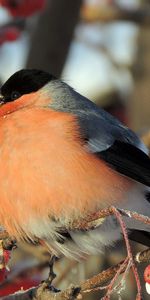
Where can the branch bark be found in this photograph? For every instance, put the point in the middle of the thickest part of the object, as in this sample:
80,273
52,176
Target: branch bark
43,293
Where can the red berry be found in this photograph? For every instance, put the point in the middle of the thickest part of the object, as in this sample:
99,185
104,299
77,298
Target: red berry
3,265
23,8
147,274
3,274
147,286
12,34
6,255
9,34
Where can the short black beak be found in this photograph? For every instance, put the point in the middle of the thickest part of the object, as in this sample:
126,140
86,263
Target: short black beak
1,100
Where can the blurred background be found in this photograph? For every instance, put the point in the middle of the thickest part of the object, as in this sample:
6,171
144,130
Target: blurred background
102,49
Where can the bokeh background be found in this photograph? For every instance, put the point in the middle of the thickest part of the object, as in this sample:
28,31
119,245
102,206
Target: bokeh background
102,49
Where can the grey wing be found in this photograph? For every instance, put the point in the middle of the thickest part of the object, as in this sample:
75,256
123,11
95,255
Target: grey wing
102,130
104,135
100,127
116,144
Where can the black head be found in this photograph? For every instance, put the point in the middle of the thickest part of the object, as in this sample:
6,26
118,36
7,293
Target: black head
24,82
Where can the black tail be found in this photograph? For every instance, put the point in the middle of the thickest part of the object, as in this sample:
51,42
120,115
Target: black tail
140,236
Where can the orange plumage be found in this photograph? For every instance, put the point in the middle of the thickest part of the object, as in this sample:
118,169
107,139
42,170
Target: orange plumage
49,174
46,172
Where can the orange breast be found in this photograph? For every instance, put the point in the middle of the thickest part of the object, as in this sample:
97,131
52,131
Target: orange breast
46,171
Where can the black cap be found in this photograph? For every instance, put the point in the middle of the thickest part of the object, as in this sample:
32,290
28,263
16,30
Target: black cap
24,82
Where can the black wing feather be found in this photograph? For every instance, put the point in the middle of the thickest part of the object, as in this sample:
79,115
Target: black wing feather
140,236
104,135
128,160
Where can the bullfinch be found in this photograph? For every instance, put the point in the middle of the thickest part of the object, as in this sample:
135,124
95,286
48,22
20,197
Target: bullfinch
62,159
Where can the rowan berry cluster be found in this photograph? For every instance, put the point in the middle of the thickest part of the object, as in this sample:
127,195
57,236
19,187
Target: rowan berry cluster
18,9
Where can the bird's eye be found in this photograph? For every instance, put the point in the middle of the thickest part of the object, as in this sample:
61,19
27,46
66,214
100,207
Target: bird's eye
15,95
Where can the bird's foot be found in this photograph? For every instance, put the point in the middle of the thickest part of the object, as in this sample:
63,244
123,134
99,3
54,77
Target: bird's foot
51,275
9,244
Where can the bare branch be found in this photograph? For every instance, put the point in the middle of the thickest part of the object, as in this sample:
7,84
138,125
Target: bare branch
106,275
93,220
43,293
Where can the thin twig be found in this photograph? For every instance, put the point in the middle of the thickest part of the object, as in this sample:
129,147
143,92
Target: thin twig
119,271
106,275
39,293
91,220
129,251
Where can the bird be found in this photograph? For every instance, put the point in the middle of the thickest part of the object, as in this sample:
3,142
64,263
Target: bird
62,159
